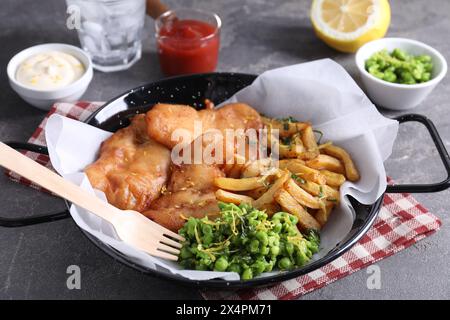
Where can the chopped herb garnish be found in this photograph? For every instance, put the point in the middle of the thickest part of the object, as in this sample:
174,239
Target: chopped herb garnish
288,119
286,126
321,195
297,178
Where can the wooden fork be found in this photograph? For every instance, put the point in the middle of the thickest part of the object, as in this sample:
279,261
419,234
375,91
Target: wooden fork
131,226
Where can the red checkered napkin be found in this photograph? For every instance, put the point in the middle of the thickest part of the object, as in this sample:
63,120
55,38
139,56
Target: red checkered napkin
401,222
80,110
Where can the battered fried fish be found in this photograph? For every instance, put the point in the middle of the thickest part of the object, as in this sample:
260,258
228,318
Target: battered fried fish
190,192
191,189
164,119
132,168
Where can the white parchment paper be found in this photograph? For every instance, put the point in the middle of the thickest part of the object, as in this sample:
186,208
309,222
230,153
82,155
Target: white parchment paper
320,92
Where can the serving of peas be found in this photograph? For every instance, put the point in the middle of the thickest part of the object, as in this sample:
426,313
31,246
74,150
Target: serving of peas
245,240
400,67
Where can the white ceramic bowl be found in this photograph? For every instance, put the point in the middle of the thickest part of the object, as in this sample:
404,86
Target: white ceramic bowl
44,99
399,96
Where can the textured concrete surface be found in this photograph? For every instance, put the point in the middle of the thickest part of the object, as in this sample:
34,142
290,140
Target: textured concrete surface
257,35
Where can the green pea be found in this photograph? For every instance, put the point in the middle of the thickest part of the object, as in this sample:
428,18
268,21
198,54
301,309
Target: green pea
264,251
417,72
426,76
185,253
258,267
292,231
399,54
253,222
254,246
247,274
285,264
301,258
262,237
293,219
289,248
191,224
201,267
207,239
407,77
269,266
389,76
277,228
234,268
378,74
275,250
221,264
279,216
399,66
424,58
428,67
370,62
274,241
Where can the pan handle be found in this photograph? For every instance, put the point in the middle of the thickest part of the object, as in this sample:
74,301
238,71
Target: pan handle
42,218
431,187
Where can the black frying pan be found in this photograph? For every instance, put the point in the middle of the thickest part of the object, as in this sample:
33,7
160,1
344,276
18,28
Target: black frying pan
218,87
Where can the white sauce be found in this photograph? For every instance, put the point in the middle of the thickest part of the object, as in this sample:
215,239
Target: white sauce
49,70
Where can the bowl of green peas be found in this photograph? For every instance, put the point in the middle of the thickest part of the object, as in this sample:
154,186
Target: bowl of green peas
399,73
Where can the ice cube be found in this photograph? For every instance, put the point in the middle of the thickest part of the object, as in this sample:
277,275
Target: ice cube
92,28
97,33
116,39
88,44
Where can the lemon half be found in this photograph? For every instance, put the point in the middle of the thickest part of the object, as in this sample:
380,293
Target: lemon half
346,25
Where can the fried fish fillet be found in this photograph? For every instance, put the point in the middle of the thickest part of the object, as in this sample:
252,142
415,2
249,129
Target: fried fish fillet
191,190
190,193
164,119
132,168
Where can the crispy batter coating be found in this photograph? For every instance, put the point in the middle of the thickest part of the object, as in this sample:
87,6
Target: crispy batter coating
191,189
131,168
164,119
190,192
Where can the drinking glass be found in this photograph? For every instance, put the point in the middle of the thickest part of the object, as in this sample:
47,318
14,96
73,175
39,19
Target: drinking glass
110,31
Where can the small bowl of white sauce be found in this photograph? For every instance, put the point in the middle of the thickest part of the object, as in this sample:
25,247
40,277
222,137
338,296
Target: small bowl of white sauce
47,73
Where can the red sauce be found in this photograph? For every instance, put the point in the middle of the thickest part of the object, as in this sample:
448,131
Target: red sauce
188,46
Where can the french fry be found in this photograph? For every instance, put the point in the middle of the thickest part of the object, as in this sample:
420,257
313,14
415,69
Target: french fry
333,179
351,172
256,193
308,138
268,196
326,162
298,167
285,128
323,213
229,197
320,190
302,197
290,151
257,168
243,184
288,203
235,171
271,208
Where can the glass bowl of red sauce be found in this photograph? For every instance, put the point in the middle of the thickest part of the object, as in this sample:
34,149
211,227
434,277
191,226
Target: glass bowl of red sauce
188,41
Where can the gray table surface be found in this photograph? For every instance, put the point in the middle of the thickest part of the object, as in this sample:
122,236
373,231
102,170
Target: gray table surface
257,35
